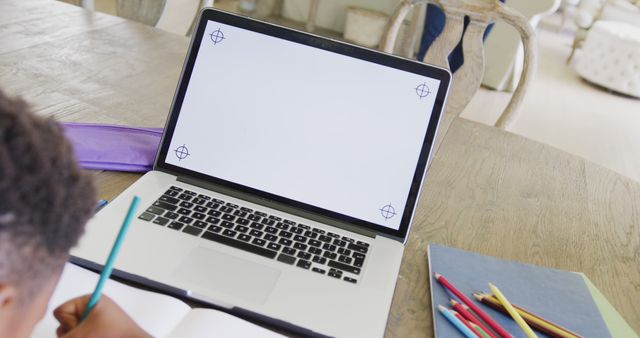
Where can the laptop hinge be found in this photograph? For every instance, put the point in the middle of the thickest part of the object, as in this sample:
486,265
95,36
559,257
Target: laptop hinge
278,206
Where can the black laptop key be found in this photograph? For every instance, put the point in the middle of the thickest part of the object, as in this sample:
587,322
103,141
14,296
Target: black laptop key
363,244
275,218
200,224
231,205
173,187
171,215
175,225
146,216
314,250
243,221
304,226
239,245
320,231
329,255
213,220
169,199
212,205
315,243
183,211
185,219
350,280
254,217
257,226
358,255
319,260
217,201
286,221
256,233
271,230
244,237
285,242
286,259
296,230
300,239
227,224
192,230
334,235
270,237
304,255
345,259
204,197
311,234
344,267
171,193
200,208
215,228
334,274
258,241
247,210
155,210
324,238
185,197
190,193
268,221
288,251
285,234
198,201
165,205
230,233
274,246
358,263
303,264
339,243
350,240
318,270
228,217
299,246
161,221
282,226
186,204
214,213
357,248
240,213
241,229
260,213
199,216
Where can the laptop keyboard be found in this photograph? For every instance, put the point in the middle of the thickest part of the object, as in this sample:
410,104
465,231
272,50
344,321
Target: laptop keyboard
270,236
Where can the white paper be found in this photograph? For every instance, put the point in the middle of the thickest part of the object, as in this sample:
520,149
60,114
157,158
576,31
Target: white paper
204,323
155,313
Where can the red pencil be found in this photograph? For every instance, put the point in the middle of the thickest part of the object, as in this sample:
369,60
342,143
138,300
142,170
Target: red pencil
502,332
458,307
466,323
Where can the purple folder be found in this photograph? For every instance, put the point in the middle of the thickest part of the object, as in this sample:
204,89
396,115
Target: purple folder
112,147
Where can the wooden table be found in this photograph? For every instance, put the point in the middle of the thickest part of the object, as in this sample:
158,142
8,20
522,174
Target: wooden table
485,186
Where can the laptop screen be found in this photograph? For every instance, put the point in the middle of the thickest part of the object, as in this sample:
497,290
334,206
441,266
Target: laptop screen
335,132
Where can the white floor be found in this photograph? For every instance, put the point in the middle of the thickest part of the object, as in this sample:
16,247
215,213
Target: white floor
566,112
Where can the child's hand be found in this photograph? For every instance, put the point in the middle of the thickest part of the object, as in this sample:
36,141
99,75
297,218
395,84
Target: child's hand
106,319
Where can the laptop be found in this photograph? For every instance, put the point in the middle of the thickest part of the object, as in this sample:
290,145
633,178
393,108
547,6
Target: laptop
286,180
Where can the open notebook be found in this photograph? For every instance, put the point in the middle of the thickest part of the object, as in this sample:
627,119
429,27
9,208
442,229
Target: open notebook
159,315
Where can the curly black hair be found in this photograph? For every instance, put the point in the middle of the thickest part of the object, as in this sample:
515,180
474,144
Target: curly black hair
45,198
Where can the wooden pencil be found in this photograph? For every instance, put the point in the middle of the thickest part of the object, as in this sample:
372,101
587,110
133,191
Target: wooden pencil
549,328
465,312
466,323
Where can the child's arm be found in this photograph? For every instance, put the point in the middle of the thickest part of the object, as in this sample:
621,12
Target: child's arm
106,319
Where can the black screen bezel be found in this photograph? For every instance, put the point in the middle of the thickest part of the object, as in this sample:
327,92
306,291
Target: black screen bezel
329,45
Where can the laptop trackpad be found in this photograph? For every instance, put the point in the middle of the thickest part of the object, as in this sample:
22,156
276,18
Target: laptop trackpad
229,275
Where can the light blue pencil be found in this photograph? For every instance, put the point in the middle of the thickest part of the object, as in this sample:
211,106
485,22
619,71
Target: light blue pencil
456,322
108,266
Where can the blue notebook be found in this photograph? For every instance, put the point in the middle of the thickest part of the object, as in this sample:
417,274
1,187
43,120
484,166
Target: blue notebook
559,296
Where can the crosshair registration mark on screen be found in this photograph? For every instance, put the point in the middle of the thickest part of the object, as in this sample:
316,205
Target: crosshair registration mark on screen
181,152
216,36
422,90
387,211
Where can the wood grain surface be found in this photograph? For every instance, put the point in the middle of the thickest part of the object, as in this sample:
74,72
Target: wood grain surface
487,190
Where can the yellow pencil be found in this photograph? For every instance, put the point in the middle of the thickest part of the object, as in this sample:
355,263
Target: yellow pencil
514,314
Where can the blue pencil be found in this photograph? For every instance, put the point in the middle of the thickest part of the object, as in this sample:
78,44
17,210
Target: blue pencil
456,322
108,266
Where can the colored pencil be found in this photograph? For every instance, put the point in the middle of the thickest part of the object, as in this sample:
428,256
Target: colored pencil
538,323
512,312
466,323
470,317
487,319
456,322
483,333
108,266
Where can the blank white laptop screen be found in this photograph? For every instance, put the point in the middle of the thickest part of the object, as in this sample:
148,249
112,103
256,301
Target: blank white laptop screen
321,128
